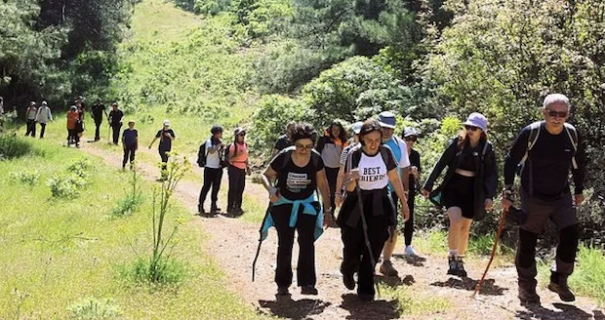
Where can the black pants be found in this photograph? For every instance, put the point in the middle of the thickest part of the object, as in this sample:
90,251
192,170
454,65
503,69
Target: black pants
212,178
116,133
42,130
305,272
129,152
408,228
164,156
237,183
356,257
31,128
98,131
332,175
72,137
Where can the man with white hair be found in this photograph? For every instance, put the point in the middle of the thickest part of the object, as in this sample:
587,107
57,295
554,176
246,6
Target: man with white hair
546,151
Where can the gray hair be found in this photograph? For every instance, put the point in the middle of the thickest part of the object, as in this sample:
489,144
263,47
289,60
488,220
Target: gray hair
556,98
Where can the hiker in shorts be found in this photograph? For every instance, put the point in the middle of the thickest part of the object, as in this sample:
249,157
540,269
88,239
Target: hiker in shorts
410,136
166,135
212,154
367,216
330,146
339,195
43,117
130,144
284,140
116,117
237,159
30,116
547,151
96,112
387,122
72,120
468,188
292,178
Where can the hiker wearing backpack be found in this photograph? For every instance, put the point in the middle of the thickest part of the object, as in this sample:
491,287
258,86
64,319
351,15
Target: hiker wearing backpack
367,215
387,122
410,136
30,115
546,151
236,155
292,178
284,141
210,157
330,146
468,188
339,196
43,117
166,135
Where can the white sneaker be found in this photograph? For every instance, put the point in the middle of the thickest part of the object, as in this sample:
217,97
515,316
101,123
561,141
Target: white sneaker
411,253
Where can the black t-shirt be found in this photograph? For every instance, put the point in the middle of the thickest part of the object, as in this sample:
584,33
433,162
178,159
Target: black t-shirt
165,142
296,183
116,117
97,111
130,137
282,143
469,158
414,162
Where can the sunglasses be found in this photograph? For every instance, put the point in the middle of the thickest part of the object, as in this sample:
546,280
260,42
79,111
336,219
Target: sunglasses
471,128
559,114
411,138
304,147
243,134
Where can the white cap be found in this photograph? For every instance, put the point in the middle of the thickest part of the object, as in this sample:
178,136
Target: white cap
166,123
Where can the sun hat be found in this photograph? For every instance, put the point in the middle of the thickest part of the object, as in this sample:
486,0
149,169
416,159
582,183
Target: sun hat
478,120
387,119
409,131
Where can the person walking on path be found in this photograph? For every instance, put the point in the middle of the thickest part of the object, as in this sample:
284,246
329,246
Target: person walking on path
237,169
30,116
116,117
72,120
212,152
43,116
284,140
547,151
410,136
367,214
292,178
330,146
96,112
81,106
468,188
130,144
399,149
166,135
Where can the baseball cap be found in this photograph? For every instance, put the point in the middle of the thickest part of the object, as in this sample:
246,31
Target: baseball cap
357,127
167,123
478,120
387,119
409,131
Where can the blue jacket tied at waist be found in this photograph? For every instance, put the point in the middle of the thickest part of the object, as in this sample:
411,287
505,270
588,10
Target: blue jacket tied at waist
306,206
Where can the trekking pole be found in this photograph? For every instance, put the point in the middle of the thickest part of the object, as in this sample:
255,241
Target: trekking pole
498,233
260,240
365,231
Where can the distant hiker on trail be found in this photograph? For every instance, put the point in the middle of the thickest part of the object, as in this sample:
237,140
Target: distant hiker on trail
96,112
284,141
30,116
210,157
80,127
366,218
339,196
237,169
297,172
330,146
166,135
116,117
130,144
410,136
43,117
72,120
387,121
468,188
546,151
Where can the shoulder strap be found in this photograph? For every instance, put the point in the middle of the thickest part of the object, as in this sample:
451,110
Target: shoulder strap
287,158
384,153
534,133
573,137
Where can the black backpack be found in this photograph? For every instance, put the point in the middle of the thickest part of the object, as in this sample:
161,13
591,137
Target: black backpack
201,155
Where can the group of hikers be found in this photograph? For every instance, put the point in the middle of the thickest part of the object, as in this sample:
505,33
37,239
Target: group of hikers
375,177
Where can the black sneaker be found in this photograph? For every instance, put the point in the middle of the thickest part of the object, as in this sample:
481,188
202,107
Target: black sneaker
348,280
309,290
214,209
453,266
528,295
562,289
461,271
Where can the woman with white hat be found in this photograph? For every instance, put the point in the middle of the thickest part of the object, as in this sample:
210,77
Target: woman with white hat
468,188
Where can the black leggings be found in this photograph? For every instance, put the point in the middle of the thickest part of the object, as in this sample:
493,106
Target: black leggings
408,229
331,176
129,152
212,178
237,184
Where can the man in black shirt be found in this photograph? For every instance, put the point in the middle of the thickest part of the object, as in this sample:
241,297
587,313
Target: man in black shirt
284,141
98,109
115,117
546,151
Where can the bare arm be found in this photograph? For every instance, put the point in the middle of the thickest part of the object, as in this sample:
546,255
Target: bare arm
152,142
268,177
324,189
339,183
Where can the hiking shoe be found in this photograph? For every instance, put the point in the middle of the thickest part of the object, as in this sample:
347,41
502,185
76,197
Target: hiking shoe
410,252
309,290
453,266
283,291
528,295
562,290
214,209
461,271
348,280
387,269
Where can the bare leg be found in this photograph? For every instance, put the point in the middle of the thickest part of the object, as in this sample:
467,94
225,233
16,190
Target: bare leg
465,230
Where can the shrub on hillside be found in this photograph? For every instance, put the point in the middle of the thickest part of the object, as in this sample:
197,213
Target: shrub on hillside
27,177
94,309
12,146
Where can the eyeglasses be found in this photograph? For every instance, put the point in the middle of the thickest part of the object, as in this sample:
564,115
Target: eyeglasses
243,134
559,114
411,138
304,147
471,128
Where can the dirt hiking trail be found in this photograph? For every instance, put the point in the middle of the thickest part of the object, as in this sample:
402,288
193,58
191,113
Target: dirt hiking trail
233,243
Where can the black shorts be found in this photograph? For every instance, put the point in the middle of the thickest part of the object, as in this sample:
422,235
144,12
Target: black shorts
459,192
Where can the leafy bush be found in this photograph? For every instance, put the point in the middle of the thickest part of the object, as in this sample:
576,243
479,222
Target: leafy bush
94,309
12,146
132,200
166,271
66,186
80,167
30,178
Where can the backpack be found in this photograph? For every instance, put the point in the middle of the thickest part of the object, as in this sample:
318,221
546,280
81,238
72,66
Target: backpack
384,150
201,155
534,134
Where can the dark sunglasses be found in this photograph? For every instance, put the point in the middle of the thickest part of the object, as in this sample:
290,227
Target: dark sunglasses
471,128
411,138
243,134
560,114
305,147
